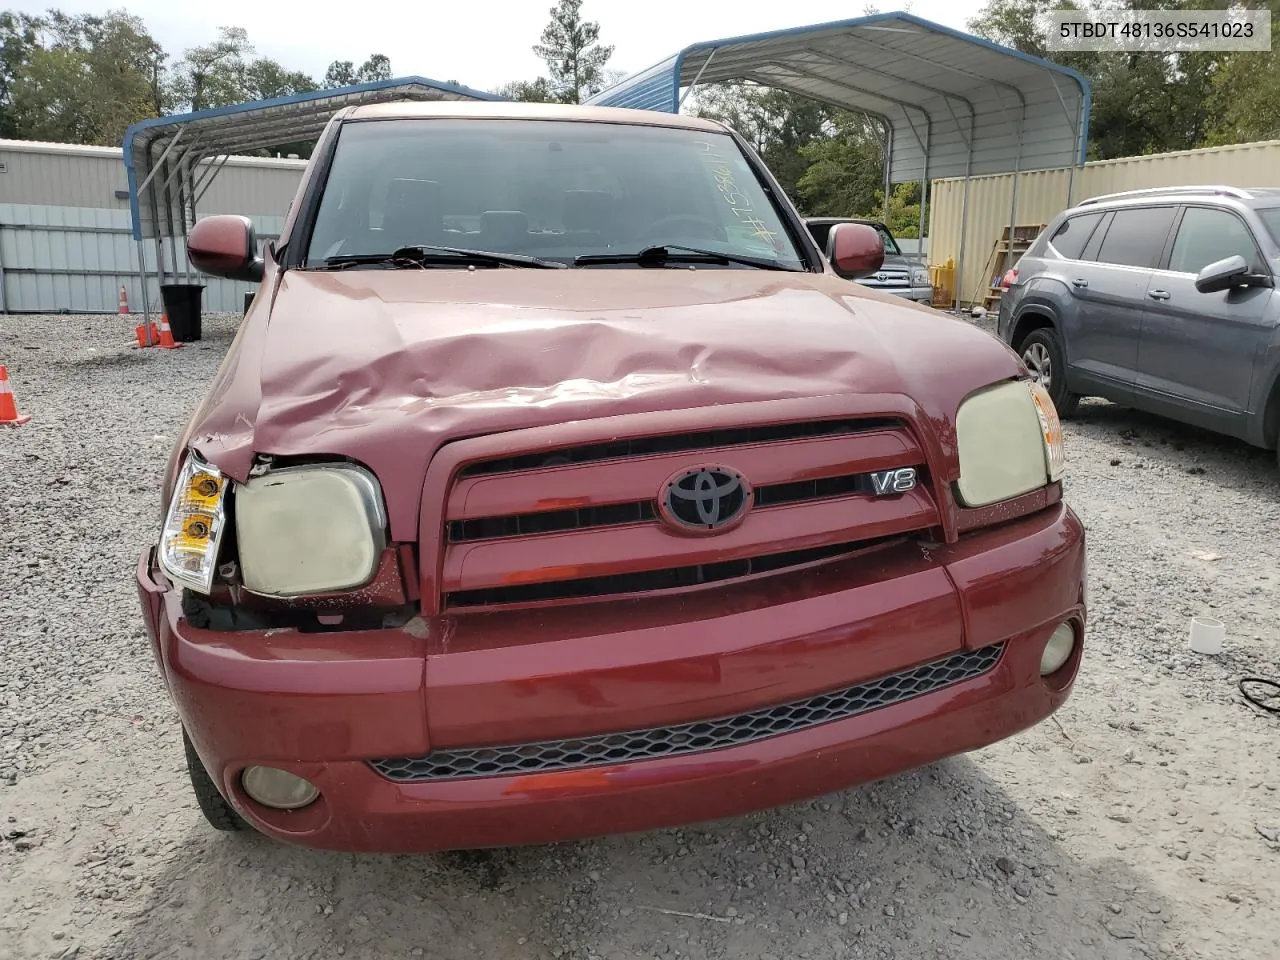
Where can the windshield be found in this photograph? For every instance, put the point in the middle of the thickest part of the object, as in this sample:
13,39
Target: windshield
556,190
1271,218
890,245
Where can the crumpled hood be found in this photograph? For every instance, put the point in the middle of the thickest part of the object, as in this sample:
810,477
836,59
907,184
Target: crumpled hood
384,366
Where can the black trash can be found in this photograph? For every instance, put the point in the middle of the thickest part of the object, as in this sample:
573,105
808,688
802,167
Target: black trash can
248,300
182,303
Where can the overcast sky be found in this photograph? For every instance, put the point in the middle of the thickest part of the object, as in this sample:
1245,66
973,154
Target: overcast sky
479,43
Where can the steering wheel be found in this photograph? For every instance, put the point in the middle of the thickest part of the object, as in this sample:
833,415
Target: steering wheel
703,227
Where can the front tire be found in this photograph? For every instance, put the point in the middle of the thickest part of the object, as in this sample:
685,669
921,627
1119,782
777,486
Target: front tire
220,814
1042,352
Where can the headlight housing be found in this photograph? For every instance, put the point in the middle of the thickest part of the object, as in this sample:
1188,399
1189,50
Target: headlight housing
1010,443
193,525
920,276
308,530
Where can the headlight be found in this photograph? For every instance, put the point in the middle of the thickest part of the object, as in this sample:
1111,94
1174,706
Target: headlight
193,525
309,529
1010,443
920,276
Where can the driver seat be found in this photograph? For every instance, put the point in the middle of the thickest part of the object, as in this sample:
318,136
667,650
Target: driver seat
414,214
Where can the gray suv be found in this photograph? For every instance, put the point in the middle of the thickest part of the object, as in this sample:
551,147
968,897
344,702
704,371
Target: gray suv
1162,300
901,275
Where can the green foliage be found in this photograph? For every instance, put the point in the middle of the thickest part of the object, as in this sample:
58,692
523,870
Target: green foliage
575,57
344,73
1245,99
77,78
1143,103
536,91
845,175
779,125
84,78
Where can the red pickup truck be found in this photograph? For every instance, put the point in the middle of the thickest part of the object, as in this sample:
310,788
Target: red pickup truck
555,485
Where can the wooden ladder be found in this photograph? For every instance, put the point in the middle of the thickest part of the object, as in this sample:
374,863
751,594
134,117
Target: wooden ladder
1005,254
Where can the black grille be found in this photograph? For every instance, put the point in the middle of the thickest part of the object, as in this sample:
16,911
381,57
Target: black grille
648,580
692,737
676,443
617,514
551,521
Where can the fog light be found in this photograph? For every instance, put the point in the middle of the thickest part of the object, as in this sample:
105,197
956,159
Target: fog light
1058,650
278,788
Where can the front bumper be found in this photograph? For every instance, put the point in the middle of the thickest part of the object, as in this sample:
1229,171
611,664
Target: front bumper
325,706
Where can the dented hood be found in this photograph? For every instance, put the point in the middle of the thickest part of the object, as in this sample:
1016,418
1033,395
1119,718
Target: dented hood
384,366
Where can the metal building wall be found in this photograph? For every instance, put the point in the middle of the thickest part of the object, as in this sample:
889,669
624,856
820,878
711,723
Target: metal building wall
75,259
66,175
1044,193
65,242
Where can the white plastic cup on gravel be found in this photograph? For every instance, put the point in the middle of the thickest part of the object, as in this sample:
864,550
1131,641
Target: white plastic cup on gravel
1207,635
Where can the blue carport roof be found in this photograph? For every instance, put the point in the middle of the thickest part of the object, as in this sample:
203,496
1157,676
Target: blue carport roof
954,105
164,153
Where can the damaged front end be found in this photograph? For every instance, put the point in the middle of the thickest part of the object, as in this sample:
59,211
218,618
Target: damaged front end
300,544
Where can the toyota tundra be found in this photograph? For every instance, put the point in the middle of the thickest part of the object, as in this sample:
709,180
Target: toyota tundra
555,485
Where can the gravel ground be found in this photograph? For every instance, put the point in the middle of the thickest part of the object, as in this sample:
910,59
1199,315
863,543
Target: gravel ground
1142,823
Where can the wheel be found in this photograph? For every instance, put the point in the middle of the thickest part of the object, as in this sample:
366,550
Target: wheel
1042,353
220,814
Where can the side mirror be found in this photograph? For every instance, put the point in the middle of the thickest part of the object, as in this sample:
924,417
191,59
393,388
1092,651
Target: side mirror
225,246
855,250
1223,275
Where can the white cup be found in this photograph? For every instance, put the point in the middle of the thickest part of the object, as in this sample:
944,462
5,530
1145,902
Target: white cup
1207,634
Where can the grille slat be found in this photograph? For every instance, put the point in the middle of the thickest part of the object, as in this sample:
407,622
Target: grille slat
676,443
647,581
555,525
693,737
617,514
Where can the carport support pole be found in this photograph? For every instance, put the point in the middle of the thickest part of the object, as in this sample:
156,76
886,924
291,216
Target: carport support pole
146,300
888,168
1013,200
964,233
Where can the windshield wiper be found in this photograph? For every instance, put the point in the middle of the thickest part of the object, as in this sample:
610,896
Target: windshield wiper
420,255
662,253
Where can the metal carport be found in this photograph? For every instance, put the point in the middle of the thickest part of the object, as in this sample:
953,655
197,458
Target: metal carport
171,161
949,104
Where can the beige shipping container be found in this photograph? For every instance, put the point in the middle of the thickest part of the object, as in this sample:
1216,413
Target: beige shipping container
1041,194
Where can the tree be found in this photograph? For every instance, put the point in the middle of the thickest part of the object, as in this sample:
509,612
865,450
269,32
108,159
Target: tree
1245,100
779,125
78,78
344,73
845,172
536,91
18,43
265,79
1142,102
215,75
575,57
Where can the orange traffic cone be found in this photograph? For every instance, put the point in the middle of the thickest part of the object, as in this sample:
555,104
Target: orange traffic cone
9,415
166,335
123,307
140,331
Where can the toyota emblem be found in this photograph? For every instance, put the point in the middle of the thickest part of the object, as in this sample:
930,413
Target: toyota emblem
882,277
705,499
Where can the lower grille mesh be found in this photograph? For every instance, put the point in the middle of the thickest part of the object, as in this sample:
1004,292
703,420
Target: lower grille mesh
696,737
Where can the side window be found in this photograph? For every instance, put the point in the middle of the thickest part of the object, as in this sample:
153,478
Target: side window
1095,242
1070,238
1206,236
820,232
1136,236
